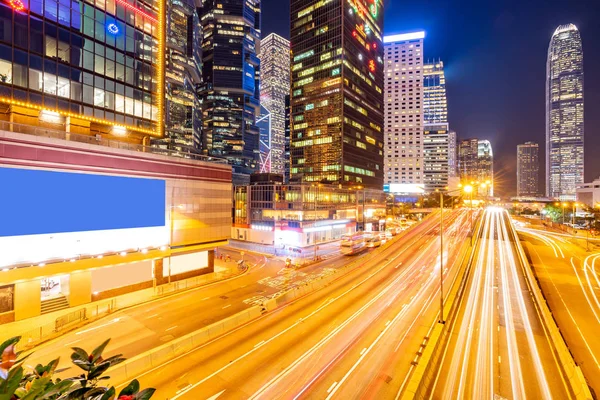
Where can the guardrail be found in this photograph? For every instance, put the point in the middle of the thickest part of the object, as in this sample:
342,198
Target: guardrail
101,141
570,368
148,361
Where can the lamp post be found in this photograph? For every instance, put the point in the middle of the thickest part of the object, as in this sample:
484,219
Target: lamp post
563,213
575,205
441,321
315,241
469,189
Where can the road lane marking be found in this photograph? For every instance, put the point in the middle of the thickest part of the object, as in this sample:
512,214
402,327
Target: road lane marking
259,344
363,350
114,321
228,305
171,328
331,387
206,298
216,396
320,308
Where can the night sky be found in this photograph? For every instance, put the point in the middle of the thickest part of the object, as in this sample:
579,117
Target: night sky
495,58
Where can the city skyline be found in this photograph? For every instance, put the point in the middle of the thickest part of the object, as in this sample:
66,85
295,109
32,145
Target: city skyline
472,64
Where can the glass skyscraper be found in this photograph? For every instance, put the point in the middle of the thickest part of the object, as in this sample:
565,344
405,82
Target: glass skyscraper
86,67
435,107
337,92
274,87
564,114
230,88
183,75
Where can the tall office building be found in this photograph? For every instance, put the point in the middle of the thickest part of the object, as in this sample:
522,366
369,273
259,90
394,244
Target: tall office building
485,167
564,114
452,156
230,88
435,157
337,91
527,170
404,109
183,76
84,68
274,87
468,161
435,107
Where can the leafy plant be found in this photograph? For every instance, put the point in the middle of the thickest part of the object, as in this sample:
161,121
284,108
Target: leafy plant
39,383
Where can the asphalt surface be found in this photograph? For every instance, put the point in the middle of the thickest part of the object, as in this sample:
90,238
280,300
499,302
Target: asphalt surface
140,328
355,338
498,348
568,276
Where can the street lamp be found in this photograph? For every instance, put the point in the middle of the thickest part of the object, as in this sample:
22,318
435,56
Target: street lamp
469,190
441,321
575,205
563,213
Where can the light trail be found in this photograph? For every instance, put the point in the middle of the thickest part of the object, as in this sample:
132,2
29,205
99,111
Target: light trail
475,354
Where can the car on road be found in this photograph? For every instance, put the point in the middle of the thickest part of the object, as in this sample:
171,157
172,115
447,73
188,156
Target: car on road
374,242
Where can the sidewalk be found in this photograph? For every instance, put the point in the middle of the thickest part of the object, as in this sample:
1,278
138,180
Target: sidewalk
36,330
301,256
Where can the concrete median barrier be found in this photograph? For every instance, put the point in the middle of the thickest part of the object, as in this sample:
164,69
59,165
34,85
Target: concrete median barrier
145,362
571,370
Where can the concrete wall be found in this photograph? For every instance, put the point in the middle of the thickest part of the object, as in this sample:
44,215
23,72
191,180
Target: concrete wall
104,279
28,299
80,287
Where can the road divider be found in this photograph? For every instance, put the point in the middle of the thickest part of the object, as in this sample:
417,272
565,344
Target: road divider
147,361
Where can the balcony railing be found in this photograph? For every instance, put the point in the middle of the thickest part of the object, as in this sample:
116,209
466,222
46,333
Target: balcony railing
101,141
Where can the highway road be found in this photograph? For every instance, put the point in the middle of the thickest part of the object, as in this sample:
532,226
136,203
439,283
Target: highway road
498,348
143,327
568,277
347,340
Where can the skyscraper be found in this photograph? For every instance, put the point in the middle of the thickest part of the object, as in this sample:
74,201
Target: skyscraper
85,69
435,107
230,88
527,170
337,91
468,160
183,76
403,108
435,157
564,114
485,167
452,159
274,87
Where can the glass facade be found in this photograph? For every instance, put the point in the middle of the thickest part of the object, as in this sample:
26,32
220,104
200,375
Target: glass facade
183,76
435,108
485,160
230,89
527,170
564,114
337,91
274,87
85,65
265,146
